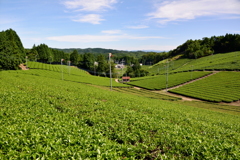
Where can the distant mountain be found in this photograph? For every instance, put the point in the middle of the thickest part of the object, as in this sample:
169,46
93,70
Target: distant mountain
118,53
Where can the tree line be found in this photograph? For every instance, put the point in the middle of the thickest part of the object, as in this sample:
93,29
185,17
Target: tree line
197,48
100,64
95,60
207,46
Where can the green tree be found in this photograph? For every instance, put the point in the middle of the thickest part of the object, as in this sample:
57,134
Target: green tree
88,61
12,53
102,66
74,58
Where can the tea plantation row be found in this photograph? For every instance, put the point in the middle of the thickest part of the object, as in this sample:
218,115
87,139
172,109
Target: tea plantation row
226,61
67,73
221,87
159,82
44,118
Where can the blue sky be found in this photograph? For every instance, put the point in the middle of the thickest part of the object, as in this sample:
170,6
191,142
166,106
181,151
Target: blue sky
118,24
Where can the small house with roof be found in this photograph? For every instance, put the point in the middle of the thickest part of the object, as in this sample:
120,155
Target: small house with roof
126,79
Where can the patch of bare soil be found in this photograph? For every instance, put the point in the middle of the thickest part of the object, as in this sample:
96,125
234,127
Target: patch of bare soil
176,95
137,88
23,67
237,103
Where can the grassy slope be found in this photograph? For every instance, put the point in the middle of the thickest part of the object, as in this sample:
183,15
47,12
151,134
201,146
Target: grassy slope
54,119
224,61
223,86
68,73
159,82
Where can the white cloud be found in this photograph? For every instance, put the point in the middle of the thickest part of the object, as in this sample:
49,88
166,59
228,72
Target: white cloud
99,38
111,31
89,5
89,18
138,27
190,9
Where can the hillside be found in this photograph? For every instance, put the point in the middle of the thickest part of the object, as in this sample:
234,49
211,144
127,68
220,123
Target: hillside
222,87
96,51
53,111
42,117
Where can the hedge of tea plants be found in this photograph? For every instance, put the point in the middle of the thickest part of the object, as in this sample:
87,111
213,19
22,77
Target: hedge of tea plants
220,87
45,118
159,82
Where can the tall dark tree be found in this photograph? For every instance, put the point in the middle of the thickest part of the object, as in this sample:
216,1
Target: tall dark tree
102,65
12,53
88,61
74,58
135,70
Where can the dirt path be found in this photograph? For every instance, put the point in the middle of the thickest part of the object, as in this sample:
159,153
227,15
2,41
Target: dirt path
176,95
185,98
237,103
23,67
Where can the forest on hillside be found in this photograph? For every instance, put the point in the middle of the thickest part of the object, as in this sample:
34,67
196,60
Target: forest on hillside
104,51
12,53
207,46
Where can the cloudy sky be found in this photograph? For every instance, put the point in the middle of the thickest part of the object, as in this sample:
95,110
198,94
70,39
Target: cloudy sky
118,24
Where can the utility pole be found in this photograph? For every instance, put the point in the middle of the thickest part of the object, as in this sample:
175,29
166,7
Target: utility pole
95,64
167,76
122,66
110,71
69,64
26,61
50,59
62,67
191,72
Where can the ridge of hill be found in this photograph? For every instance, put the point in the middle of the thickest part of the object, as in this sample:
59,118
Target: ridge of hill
222,61
96,51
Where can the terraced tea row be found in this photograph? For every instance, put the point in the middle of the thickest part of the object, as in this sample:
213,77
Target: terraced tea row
226,61
68,73
221,87
57,68
43,118
159,82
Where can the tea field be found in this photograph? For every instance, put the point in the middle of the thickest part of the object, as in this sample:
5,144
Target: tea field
221,62
220,87
226,61
46,118
67,73
159,82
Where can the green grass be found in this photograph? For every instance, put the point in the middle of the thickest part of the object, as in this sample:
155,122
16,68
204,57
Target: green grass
45,118
222,61
225,61
159,82
68,74
221,87
160,68
217,107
